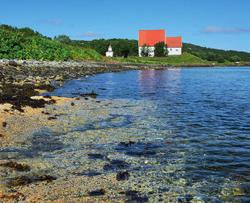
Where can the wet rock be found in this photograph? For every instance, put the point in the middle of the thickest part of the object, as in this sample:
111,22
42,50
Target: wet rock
91,94
52,118
20,96
89,173
135,197
116,164
45,141
96,156
188,197
12,197
47,97
126,144
138,148
97,192
26,180
16,166
46,113
122,176
13,63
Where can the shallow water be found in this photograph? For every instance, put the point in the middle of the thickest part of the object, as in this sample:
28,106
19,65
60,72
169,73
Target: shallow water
182,134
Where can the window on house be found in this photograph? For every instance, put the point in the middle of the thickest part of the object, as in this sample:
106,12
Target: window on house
170,49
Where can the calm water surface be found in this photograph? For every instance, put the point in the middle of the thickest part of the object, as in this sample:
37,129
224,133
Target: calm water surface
206,114
182,134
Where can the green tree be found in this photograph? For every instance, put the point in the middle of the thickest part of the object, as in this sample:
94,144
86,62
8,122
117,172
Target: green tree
63,38
144,51
160,49
235,59
220,59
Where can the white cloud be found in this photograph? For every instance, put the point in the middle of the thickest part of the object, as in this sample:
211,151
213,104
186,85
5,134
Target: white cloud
215,29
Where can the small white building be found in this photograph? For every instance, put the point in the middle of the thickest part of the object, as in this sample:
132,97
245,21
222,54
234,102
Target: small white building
110,52
148,39
174,46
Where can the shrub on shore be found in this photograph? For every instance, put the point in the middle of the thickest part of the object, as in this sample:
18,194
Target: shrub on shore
25,43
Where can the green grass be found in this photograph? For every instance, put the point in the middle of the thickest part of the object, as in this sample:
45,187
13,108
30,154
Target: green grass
184,59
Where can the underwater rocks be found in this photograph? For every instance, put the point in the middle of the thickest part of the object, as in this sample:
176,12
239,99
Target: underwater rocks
97,192
122,176
26,180
96,156
91,95
139,148
135,196
15,166
115,165
4,124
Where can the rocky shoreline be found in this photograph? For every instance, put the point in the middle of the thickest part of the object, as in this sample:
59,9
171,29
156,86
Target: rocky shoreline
22,79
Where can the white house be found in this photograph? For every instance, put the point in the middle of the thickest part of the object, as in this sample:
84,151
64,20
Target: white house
148,39
110,52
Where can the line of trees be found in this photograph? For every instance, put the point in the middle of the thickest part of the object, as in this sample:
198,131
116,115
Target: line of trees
216,54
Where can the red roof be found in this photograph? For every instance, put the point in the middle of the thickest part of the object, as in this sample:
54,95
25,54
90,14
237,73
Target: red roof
174,42
151,37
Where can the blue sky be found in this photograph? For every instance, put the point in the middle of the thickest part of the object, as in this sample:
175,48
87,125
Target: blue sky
213,23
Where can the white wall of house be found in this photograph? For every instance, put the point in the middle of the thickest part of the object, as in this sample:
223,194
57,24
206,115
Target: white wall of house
174,51
171,51
109,54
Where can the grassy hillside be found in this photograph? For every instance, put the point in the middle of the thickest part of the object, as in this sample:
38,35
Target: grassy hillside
121,46
216,54
185,59
25,43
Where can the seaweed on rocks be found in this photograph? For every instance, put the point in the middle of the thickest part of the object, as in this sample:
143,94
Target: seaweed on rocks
124,175
88,173
52,118
26,180
115,165
96,156
20,96
139,148
135,196
91,95
15,166
4,124
98,192
11,197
